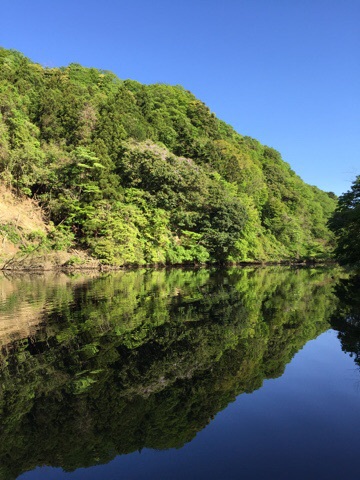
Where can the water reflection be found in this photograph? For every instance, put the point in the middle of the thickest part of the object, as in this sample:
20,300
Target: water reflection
347,317
93,367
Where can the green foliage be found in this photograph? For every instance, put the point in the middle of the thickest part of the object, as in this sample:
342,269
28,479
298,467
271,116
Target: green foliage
125,169
10,232
26,242
74,261
345,223
61,237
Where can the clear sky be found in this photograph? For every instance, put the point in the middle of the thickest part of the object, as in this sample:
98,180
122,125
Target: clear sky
286,72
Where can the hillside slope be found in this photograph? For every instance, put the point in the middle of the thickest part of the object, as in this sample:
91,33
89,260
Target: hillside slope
139,174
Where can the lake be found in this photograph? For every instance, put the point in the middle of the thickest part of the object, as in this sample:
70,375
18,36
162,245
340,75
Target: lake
248,373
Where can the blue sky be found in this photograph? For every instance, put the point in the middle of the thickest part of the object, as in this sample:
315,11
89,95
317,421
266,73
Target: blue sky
286,72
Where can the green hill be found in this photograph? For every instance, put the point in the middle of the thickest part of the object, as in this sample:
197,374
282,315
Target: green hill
144,174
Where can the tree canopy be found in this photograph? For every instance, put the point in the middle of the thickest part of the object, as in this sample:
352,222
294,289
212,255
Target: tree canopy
345,223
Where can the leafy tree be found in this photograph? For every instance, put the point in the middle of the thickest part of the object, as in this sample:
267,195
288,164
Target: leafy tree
345,223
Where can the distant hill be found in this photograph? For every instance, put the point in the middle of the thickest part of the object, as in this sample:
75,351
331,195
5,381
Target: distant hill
146,174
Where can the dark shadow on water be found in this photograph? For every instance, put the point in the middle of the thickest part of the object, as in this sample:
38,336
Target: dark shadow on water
346,320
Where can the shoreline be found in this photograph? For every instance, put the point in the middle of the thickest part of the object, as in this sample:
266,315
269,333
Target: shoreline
28,266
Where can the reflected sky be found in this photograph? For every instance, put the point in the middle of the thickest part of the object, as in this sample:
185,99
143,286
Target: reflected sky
302,425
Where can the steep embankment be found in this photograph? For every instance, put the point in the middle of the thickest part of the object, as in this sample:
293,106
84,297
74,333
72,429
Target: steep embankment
21,224
25,237
139,174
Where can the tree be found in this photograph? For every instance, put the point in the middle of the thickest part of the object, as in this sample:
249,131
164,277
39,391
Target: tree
345,223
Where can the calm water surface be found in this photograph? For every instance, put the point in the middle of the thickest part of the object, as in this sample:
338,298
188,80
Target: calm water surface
180,374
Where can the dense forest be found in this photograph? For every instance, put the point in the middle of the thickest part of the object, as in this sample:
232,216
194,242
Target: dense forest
117,362
345,223
146,174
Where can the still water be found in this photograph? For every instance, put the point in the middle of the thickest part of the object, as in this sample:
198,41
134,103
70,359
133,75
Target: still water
248,373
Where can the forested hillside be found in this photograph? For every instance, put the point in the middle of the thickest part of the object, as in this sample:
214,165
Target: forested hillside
144,174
